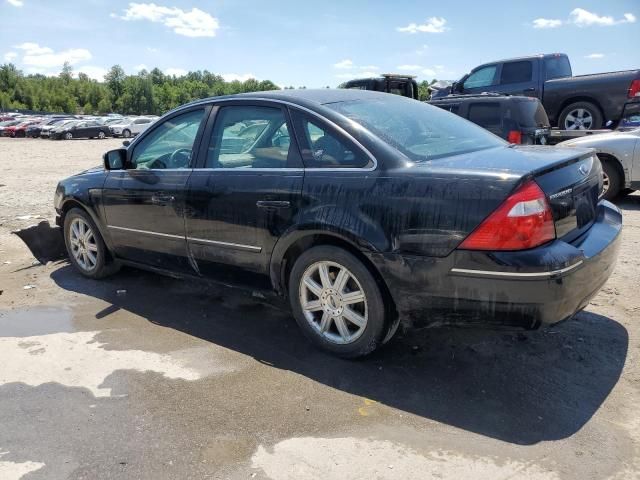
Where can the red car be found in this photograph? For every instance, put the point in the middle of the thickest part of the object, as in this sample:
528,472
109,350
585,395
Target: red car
18,131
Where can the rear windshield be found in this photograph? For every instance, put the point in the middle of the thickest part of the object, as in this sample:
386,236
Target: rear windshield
532,114
557,67
420,131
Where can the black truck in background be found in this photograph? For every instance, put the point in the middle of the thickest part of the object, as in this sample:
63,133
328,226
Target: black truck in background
583,102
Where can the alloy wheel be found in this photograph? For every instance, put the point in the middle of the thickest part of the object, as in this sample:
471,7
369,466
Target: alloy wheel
83,244
333,302
578,119
68,136
101,135
606,183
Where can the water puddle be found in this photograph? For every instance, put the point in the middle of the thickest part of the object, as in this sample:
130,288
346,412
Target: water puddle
29,322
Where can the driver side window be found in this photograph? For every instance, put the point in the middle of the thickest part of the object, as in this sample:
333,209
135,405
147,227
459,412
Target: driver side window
169,144
481,78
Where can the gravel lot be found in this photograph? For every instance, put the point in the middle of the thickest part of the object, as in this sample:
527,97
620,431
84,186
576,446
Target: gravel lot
175,379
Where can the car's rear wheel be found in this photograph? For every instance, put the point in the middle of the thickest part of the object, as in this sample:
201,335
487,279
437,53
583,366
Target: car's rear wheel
85,246
101,135
126,133
20,134
611,181
337,303
68,136
580,116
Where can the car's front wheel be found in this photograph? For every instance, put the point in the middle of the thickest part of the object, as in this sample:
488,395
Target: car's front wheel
337,302
101,135
126,133
68,136
85,246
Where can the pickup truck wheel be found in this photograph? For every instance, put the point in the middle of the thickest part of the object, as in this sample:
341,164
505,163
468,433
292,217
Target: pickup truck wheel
611,181
337,302
580,116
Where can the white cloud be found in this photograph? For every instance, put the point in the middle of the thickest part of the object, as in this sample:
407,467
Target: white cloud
595,55
45,57
343,64
432,25
231,77
93,71
543,23
408,68
429,72
16,3
152,50
584,18
140,67
194,23
10,56
178,72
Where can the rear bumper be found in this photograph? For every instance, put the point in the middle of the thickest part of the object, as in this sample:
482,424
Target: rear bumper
520,289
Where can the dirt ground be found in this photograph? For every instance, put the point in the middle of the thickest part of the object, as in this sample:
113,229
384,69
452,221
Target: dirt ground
142,376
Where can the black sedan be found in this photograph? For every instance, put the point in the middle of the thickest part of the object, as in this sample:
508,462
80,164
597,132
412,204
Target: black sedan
80,129
363,209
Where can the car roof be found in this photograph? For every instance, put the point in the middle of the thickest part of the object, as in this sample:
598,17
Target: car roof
303,97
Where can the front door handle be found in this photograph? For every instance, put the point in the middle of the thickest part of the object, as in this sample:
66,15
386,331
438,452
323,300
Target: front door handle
159,199
273,204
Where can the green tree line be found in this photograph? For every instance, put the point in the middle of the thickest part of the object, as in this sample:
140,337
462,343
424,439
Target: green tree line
147,93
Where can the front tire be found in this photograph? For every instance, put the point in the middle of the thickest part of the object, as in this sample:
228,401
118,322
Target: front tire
101,135
85,246
337,302
126,133
68,136
580,116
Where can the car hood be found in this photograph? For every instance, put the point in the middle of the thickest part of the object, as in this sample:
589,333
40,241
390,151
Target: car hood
96,169
504,161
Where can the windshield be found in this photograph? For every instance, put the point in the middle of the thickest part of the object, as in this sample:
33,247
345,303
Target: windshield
420,131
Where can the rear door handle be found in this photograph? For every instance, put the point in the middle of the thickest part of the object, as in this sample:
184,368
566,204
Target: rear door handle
273,204
162,199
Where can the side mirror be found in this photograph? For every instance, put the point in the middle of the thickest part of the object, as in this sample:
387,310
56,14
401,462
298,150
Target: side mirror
115,159
126,143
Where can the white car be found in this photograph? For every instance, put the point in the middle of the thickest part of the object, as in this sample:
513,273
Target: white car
130,127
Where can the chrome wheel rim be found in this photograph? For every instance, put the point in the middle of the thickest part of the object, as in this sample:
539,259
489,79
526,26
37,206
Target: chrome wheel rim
605,184
68,136
578,119
333,302
83,244
126,134
101,135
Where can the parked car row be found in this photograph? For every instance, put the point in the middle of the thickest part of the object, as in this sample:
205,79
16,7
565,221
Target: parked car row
67,127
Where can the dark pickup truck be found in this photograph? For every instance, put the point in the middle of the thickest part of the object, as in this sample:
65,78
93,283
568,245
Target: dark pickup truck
584,102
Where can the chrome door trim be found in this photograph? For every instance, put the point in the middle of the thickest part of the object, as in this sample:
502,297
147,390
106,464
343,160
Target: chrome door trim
237,246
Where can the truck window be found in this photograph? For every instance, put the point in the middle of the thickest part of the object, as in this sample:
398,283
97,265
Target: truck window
481,78
516,72
486,115
557,67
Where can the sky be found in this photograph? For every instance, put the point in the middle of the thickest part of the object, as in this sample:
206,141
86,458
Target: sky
314,44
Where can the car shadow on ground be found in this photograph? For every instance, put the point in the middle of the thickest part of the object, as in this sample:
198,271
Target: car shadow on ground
521,388
628,202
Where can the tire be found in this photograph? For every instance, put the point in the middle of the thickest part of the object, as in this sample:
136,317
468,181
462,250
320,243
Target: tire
612,181
126,133
81,236
580,116
68,136
327,325
101,135
20,134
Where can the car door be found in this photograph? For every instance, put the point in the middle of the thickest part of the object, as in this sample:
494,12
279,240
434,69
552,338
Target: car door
144,203
519,78
79,130
246,193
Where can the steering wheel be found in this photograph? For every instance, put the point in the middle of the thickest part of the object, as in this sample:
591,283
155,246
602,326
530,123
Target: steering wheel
173,159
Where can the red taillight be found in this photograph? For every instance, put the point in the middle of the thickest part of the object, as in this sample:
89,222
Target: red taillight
634,89
515,136
524,220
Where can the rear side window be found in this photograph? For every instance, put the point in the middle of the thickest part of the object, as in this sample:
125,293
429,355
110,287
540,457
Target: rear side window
557,67
486,115
531,113
322,147
516,72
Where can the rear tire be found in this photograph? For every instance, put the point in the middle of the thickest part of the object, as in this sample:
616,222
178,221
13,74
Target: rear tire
101,135
337,302
612,181
580,116
85,246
